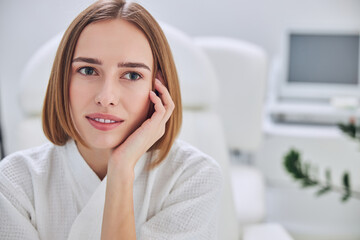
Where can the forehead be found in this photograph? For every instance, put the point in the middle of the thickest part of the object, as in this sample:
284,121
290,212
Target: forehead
114,39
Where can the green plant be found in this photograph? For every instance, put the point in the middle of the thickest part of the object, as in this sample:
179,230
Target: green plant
307,174
350,129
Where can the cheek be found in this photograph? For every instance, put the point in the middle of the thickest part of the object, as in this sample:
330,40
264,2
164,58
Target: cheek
78,99
73,96
73,91
79,94
139,101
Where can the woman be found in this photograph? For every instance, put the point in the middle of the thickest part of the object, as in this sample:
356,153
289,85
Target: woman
113,169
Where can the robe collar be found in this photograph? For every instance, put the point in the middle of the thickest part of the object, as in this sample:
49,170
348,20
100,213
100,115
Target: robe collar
85,177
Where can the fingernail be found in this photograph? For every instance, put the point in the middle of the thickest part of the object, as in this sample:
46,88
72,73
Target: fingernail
158,81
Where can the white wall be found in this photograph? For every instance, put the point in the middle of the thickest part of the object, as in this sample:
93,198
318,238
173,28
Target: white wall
25,25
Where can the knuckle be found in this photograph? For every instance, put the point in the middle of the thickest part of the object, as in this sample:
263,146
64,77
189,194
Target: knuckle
172,106
162,110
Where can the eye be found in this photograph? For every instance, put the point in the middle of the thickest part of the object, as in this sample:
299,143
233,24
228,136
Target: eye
87,71
133,76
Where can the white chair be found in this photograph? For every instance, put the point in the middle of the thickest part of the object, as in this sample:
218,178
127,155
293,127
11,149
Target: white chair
241,68
32,88
202,125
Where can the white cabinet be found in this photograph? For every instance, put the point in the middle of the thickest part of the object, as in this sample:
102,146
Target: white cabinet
299,210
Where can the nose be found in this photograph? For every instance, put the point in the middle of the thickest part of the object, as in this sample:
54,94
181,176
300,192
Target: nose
107,95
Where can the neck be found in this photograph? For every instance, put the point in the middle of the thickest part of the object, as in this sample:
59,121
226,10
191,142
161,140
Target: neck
97,159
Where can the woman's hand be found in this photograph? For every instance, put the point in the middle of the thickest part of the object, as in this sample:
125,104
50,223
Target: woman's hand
125,156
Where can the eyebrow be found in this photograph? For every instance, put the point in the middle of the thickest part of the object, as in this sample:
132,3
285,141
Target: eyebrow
133,65
122,64
87,60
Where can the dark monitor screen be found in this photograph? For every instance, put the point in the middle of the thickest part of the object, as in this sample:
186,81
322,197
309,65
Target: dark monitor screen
324,58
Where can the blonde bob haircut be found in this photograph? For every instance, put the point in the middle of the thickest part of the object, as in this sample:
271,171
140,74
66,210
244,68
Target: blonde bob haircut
57,122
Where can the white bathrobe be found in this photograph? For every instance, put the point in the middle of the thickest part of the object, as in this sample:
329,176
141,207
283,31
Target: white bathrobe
50,192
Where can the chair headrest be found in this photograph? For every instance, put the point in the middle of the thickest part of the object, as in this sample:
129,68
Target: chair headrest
35,77
198,81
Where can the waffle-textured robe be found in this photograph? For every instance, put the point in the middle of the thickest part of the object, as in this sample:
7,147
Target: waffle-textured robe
50,192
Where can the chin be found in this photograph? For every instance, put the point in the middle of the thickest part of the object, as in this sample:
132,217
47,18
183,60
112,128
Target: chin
105,144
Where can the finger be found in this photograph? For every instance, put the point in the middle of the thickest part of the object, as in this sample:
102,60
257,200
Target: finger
157,119
166,98
159,108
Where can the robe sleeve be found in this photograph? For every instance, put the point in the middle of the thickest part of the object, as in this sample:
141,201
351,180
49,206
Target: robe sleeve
15,222
190,209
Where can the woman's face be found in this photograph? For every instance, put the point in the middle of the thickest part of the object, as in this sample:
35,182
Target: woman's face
110,82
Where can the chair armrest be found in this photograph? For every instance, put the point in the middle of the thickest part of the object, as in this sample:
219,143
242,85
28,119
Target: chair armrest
249,194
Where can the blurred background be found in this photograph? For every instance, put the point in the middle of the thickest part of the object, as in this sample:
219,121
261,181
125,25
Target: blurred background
297,113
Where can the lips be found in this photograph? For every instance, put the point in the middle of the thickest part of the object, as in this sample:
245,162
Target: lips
104,122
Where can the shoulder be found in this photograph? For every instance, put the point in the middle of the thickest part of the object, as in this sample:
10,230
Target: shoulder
187,185
18,170
186,154
34,159
190,162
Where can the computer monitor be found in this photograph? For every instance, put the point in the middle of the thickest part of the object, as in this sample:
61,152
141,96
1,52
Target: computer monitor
321,65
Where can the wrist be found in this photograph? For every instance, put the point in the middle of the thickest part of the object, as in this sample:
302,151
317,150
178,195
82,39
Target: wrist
121,174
